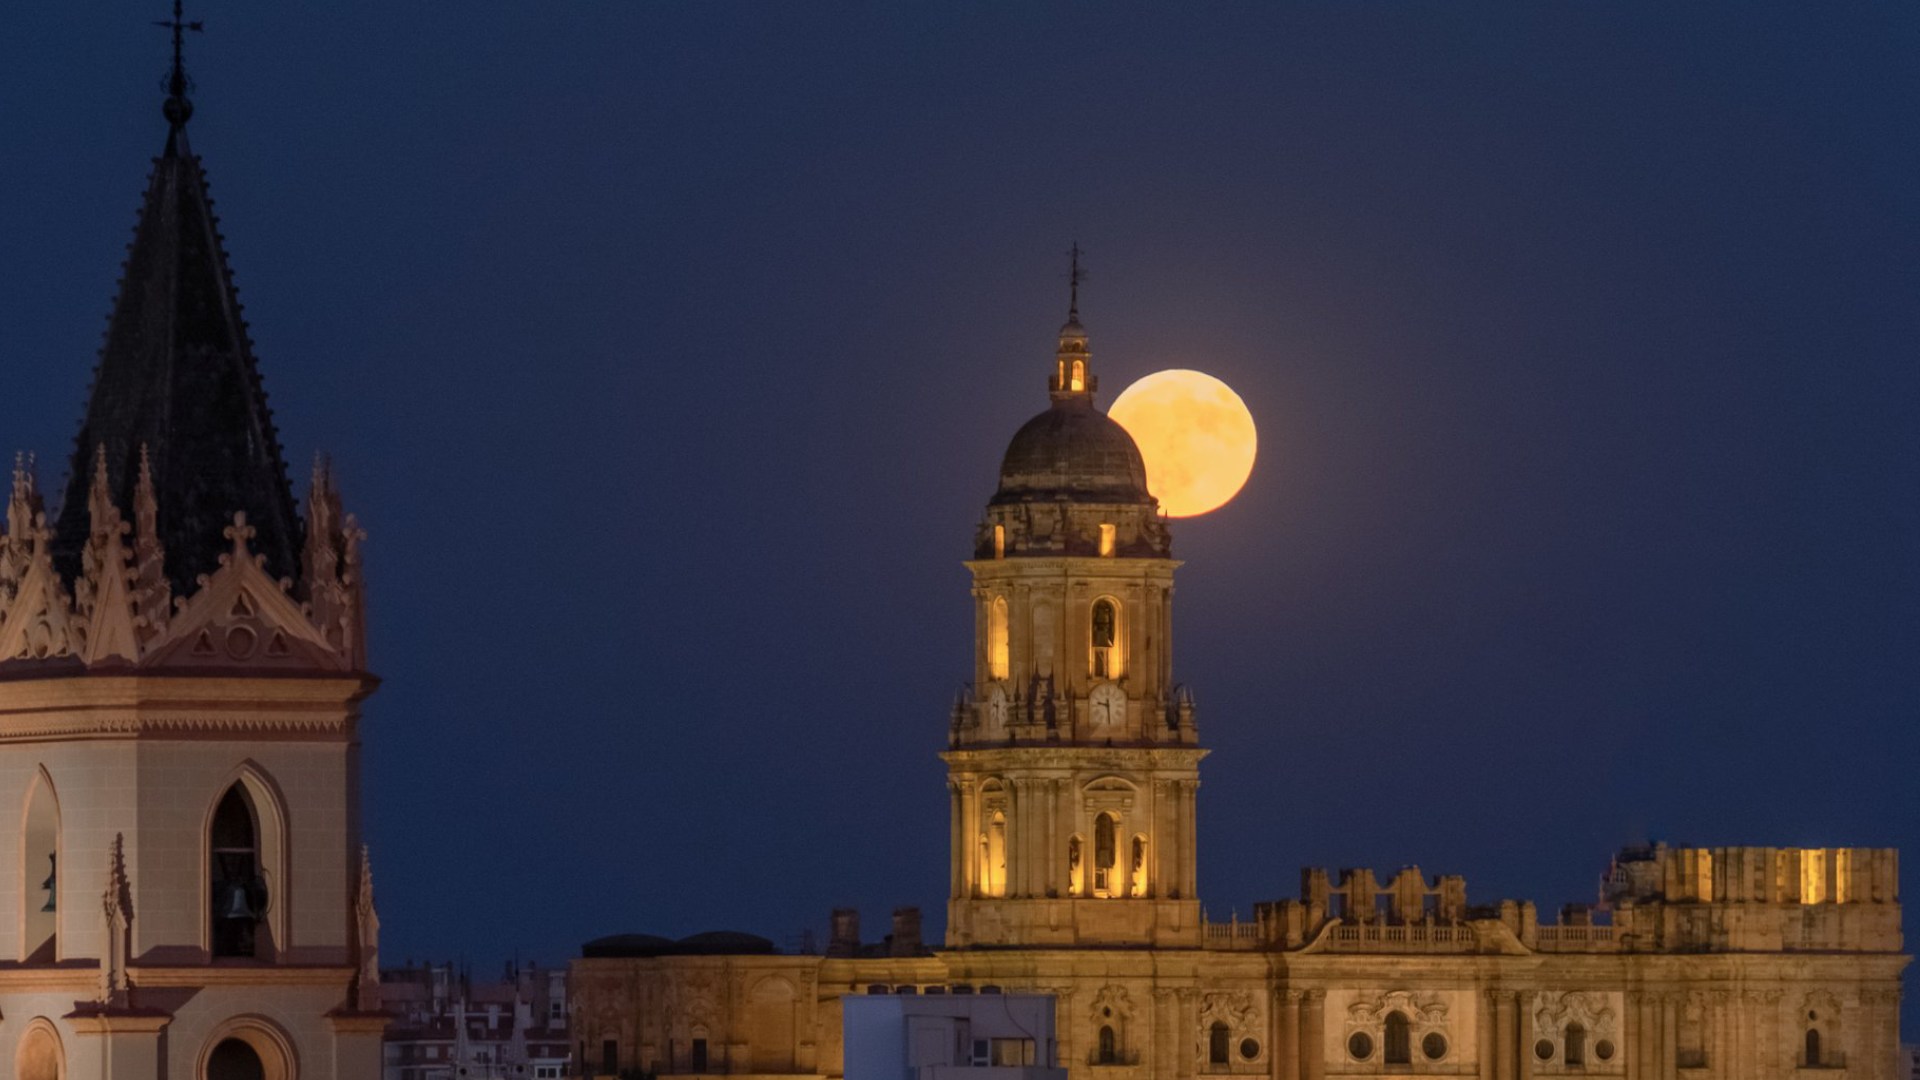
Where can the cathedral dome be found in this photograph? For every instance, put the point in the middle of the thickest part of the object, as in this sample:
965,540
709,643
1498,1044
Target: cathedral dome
1073,451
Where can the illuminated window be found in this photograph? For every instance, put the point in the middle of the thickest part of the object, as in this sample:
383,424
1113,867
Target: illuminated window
997,661
993,856
1813,876
1399,1040
999,541
1079,376
1106,541
1106,636
1105,855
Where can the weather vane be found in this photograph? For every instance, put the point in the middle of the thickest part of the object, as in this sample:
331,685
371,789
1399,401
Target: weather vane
178,108
1074,278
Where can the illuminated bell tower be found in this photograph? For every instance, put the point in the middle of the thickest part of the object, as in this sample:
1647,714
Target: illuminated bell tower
1073,764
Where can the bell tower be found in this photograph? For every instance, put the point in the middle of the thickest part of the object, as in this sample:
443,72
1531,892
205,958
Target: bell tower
1073,760
182,666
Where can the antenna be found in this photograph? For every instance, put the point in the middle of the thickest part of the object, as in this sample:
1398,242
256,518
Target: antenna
1074,278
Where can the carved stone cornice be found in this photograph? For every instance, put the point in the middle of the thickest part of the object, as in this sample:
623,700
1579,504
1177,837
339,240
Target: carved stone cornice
1000,758
81,705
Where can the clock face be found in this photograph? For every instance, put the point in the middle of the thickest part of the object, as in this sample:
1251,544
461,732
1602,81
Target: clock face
1107,705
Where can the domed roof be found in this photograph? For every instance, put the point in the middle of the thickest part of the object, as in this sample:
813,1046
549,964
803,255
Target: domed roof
724,943
711,943
627,945
1073,451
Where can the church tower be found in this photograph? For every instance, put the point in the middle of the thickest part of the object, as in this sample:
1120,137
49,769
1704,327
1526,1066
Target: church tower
1073,762
183,890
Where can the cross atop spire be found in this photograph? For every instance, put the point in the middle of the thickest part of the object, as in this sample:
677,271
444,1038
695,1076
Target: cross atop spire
178,109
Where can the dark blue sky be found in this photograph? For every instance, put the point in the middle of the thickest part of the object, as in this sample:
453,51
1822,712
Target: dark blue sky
668,354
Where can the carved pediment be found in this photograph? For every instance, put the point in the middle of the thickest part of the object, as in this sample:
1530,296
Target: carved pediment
241,617
1553,1012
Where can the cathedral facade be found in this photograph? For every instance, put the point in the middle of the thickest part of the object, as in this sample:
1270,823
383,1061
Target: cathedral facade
1072,767
182,661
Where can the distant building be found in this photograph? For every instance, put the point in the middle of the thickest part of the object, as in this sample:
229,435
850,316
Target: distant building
951,1037
447,1027
1073,764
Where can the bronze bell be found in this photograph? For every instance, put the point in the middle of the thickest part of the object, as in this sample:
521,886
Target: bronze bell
53,879
235,904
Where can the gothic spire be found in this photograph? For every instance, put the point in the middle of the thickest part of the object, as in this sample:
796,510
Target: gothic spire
177,375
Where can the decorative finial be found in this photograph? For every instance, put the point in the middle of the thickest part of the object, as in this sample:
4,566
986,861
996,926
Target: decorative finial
1074,278
178,110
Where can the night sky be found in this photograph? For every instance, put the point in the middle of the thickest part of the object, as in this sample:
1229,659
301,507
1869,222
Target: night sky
668,353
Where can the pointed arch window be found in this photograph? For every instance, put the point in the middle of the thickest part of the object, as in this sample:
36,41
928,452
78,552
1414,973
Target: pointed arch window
999,661
239,892
40,874
1399,1040
1104,632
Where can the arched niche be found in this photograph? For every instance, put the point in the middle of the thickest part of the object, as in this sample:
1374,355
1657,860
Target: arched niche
40,1055
248,1048
771,1039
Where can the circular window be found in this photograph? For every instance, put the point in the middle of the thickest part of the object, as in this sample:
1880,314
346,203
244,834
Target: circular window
1543,1050
1360,1045
1603,1049
1434,1046
1249,1048
1108,1011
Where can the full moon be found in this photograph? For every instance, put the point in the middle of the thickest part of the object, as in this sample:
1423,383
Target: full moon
1196,435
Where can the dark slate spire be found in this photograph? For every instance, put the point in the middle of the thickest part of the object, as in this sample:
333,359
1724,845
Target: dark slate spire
177,375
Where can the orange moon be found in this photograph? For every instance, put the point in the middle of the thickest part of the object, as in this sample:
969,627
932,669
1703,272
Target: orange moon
1196,435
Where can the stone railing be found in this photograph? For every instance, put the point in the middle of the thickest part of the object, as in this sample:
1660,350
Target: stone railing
1575,939
1232,934
1400,937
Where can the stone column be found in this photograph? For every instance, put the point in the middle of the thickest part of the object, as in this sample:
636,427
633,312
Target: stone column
1286,1035
1503,1036
1523,1035
1637,1032
1313,1028
1667,1050
1485,1037
956,836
